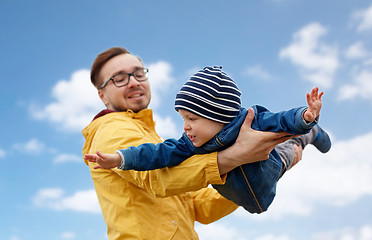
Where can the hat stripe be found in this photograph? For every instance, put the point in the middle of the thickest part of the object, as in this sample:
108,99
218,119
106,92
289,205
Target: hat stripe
208,78
228,90
212,94
183,99
204,116
222,105
200,107
214,117
213,75
232,98
206,109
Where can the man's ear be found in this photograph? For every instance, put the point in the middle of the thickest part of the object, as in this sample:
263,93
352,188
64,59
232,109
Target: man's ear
102,97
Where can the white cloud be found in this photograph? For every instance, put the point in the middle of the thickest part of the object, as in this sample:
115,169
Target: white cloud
54,198
33,146
160,81
363,233
68,235
191,72
2,153
364,17
14,238
257,71
317,61
229,232
272,237
368,62
357,50
75,103
165,127
50,193
337,178
361,88
62,158
216,230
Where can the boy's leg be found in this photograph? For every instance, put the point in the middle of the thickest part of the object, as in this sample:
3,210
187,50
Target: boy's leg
317,136
286,153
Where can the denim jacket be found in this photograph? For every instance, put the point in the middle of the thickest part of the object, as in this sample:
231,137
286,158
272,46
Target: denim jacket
252,185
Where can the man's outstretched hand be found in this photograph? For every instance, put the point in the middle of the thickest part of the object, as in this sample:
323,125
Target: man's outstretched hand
250,146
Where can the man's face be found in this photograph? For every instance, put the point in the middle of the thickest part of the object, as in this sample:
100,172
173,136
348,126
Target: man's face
136,95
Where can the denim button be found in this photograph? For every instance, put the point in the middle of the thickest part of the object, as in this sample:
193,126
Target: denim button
174,222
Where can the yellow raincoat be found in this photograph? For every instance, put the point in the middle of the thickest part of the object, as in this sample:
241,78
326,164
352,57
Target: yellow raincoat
160,204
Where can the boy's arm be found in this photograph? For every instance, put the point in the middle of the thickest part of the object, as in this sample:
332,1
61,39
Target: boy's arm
295,121
150,156
290,121
193,174
147,156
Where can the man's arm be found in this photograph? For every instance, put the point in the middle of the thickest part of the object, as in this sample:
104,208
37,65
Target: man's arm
250,146
196,172
210,206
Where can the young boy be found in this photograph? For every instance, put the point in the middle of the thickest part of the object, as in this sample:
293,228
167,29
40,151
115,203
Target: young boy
209,103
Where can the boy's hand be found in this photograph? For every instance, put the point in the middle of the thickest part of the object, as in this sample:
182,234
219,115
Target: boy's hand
314,100
105,161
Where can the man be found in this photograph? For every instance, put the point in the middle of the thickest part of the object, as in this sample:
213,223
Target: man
164,203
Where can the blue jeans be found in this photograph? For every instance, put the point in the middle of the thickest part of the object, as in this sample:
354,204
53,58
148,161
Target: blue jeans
253,185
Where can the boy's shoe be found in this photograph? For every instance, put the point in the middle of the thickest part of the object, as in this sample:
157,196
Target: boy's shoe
322,141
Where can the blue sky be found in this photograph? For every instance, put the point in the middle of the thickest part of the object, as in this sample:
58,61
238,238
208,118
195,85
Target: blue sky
276,50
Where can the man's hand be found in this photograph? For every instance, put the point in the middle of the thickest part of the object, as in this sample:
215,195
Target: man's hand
105,161
250,146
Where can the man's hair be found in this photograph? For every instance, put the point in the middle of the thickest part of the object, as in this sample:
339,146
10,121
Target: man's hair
101,60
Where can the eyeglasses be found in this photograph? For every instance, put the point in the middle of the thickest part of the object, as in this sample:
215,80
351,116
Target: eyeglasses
122,79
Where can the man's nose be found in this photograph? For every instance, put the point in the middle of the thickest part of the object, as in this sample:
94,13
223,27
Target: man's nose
132,81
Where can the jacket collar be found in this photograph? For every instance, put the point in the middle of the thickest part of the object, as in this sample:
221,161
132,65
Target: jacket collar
102,113
144,115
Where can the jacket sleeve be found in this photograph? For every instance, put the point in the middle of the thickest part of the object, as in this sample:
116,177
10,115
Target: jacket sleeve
210,206
290,121
150,156
192,174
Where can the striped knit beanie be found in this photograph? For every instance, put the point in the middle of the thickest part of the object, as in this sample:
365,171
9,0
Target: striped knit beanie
210,93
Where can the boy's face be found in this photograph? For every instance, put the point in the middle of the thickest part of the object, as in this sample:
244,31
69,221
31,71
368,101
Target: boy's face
200,130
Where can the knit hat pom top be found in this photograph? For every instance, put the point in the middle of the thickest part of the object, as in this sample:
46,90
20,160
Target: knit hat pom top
210,93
